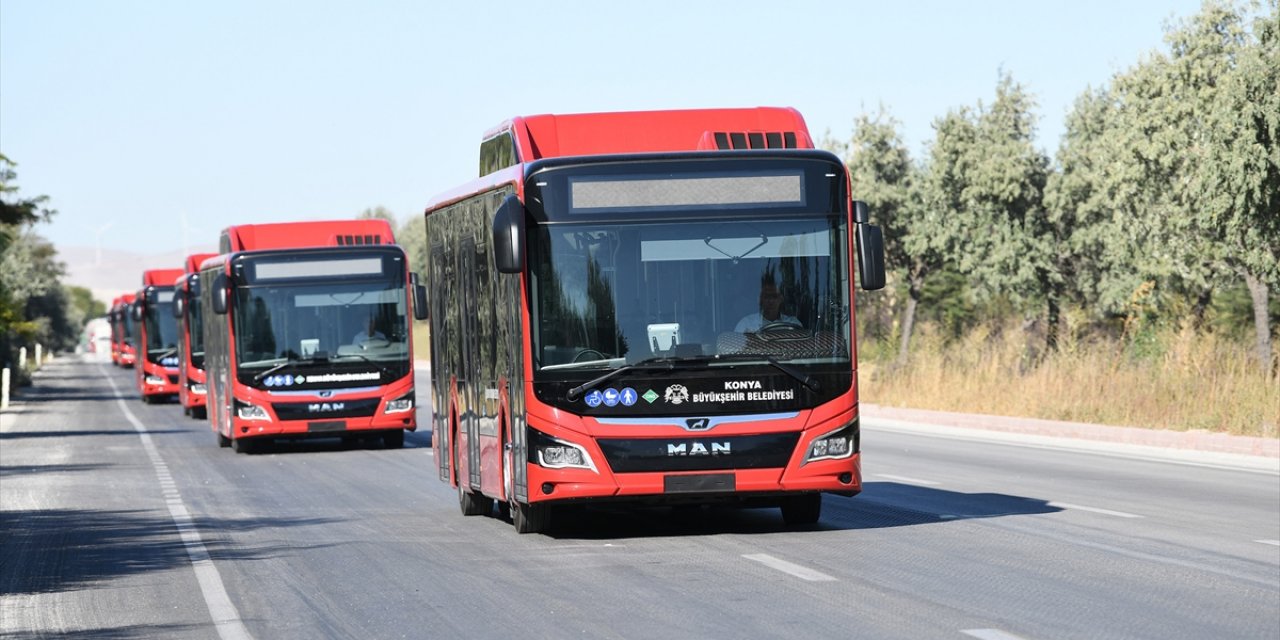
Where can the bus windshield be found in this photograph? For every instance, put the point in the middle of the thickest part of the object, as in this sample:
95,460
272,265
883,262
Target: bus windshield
196,330
162,327
317,321
609,293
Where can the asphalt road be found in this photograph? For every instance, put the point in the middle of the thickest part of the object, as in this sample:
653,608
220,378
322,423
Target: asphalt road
124,520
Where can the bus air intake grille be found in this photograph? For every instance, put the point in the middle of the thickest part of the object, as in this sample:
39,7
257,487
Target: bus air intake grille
325,410
352,240
755,139
706,453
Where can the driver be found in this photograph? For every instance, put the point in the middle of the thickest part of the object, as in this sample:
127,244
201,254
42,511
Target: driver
770,310
370,333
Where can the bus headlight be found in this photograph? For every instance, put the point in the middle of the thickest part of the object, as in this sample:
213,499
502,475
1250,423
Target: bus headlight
400,405
554,453
246,411
153,380
835,445
197,388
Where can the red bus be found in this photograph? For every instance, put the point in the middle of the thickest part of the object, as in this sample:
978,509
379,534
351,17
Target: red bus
306,333
191,389
653,307
157,370
121,318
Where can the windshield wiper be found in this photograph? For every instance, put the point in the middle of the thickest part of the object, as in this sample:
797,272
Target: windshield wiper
167,352
656,362
804,378
271,370
669,364
366,359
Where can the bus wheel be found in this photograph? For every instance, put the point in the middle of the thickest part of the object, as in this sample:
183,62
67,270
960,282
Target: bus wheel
223,441
199,413
243,445
802,509
393,439
471,503
530,518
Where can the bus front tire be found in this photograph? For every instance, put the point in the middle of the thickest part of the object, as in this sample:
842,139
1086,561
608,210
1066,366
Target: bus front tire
802,509
223,441
530,518
243,445
393,439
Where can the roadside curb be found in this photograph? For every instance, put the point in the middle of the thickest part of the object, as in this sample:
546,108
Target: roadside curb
1187,440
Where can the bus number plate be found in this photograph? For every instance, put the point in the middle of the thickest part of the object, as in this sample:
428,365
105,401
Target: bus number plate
700,483
327,425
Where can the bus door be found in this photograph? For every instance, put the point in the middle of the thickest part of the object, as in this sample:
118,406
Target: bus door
469,379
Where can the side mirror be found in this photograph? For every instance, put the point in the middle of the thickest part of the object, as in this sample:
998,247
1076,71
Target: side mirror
179,303
220,292
508,236
419,297
861,212
870,256
135,309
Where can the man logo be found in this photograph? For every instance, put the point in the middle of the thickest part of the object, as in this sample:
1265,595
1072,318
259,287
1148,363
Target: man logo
325,394
683,449
697,424
321,407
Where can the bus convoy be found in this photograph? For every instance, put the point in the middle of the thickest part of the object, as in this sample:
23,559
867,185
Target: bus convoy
648,307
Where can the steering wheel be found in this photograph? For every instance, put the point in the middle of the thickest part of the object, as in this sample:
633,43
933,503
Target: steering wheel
779,324
578,358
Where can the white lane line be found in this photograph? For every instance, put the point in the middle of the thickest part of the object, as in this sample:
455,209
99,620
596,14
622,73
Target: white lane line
1068,505
906,479
990,634
225,617
1274,543
804,573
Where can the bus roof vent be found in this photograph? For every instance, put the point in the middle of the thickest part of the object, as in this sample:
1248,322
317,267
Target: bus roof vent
351,240
748,140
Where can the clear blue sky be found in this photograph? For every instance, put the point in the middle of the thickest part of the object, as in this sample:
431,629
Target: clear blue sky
142,119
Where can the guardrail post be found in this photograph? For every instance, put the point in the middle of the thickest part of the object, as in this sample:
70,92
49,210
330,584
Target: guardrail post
39,355
22,357
4,389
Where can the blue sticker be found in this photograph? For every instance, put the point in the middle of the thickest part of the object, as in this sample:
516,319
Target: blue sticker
611,397
288,379
629,397
593,399
269,382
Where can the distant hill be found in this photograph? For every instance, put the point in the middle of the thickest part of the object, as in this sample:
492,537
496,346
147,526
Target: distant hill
108,273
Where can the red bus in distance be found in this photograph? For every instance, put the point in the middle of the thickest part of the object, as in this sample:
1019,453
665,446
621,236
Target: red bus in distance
157,369
652,307
306,333
191,381
121,317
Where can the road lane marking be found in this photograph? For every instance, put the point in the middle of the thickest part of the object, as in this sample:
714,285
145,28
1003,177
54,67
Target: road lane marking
225,617
804,573
1068,505
1274,543
908,480
990,634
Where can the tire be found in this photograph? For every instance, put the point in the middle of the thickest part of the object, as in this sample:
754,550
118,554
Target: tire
393,439
243,445
223,441
802,509
200,413
471,503
530,518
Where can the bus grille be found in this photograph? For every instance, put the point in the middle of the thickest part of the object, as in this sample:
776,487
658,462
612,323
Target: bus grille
703,453
362,408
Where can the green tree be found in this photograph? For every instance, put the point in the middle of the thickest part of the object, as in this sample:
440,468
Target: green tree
29,272
984,188
884,177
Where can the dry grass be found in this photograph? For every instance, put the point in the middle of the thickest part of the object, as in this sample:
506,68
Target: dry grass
1178,380
421,341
